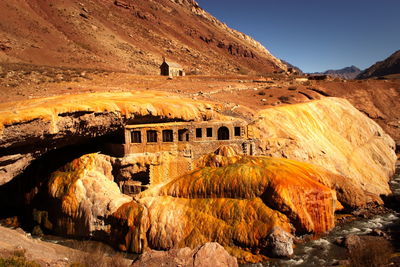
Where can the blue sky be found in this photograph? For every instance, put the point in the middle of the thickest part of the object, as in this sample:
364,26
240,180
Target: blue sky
316,35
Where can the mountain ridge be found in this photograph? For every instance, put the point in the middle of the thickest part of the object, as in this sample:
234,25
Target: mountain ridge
390,65
127,35
347,73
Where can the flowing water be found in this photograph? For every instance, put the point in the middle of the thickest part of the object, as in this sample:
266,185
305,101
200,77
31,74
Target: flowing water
324,251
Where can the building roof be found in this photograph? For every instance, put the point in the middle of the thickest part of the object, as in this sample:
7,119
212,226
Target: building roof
173,64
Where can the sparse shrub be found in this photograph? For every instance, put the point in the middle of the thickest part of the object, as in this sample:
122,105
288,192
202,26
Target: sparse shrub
16,258
261,93
96,255
370,253
283,99
292,88
242,71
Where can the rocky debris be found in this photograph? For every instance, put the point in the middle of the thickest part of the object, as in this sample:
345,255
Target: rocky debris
378,232
122,4
280,243
4,47
370,210
143,19
207,255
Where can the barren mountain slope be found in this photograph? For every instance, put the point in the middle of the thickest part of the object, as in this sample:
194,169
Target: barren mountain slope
391,65
344,73
126,35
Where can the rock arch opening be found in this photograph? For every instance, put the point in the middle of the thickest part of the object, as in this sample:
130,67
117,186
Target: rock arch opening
28,190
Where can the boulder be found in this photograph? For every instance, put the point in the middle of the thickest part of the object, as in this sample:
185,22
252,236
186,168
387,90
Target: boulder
280,243
82,194
209,255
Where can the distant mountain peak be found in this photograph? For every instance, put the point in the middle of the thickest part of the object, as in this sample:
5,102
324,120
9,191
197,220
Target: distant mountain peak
344,73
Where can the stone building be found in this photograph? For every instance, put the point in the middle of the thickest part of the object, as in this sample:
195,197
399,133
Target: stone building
171,69
169,150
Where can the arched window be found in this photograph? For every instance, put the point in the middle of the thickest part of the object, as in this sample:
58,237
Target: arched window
223,133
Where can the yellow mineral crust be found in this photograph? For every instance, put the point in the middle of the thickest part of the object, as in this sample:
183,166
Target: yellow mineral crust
87,192
287,186
128,104
181,222
330,133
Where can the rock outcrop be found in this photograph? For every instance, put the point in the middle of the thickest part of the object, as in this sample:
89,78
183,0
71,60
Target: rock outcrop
336,155
86,194
332,134
210,254
240,203
33,127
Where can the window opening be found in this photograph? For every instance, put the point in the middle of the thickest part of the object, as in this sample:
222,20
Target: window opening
151,136
238,131
209,132
183,135
168,136
199,132
136,137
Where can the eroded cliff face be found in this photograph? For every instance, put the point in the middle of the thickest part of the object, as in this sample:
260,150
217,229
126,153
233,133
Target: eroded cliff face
332,134
33,127
337,156
239,203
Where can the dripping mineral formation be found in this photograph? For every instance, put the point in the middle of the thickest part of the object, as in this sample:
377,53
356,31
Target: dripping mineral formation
127,169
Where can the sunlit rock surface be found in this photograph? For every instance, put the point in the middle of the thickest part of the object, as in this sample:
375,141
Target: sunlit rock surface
84,195
285,185
331,133
209,254
236,204
30,128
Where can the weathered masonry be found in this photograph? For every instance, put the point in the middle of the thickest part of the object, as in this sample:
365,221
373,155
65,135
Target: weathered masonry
190,139
162,151
171,69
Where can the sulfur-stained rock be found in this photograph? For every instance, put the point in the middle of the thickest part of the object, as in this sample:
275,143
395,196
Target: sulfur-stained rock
35,126
332,134
285,185
83,194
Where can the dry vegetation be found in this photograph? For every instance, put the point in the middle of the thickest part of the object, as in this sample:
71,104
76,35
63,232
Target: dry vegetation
88,255
15,258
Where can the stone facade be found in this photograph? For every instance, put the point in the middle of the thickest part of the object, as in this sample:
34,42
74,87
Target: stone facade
171,69
178,145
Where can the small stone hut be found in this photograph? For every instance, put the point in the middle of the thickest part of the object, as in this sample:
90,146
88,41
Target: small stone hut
171,69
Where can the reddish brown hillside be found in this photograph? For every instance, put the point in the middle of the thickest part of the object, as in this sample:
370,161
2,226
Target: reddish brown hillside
126,35
391,65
